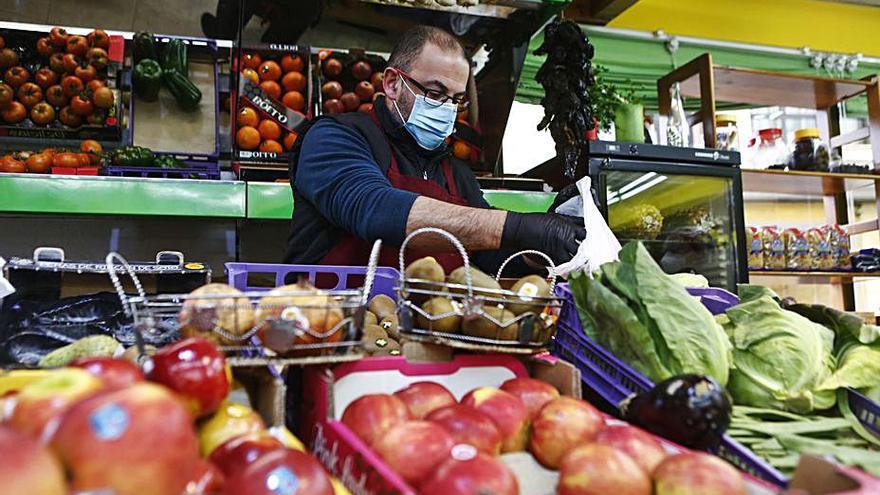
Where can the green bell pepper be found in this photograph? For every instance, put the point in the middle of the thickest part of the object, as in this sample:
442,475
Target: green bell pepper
134,156
147,79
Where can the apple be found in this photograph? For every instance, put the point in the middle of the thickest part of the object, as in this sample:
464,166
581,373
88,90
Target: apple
133,441
424,397
230,420
361,70
194,368
561,425
507,412
28,467
469,472
365,108
693,473
634,442
370,416
207,480
42,401
364,90
350,101
333,106
331,90
469,426
377,79
533,393
281,472
115,373
332,68
238,452
601,470
414,448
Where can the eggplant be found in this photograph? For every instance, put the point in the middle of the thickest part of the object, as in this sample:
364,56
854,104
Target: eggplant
691,410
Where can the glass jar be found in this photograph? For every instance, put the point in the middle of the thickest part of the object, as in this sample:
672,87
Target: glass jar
809,152
726,135
772,151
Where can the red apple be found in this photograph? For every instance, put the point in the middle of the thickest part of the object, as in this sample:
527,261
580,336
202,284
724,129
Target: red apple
507,412
414,448
28,467
230,420
469,472
332,68
601,470
333,106
377,79
194,368
281,472
634,442
208,480
693,473
331,90
424,397
361,70
561,425
364,90
370,416
365,108
239,452
40,402
467,425
134,441
533,393
115,373
350,101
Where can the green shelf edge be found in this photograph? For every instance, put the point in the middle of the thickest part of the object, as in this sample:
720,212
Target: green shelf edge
83,195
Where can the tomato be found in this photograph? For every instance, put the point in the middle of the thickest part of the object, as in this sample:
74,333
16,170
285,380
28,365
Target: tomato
68,160
251,61
42,113
10,165
94,84
58,36
97,118
98,57
68,118
81,106
50,152
2,42
38,163
103,97
269,71
99,38
72,86
45,47
70,62
86,72
14,113
93,148
77,45
16,76
30,94
45,77
85,159
7,94
271,88
292,63
55,96
251,75
56,62
8,58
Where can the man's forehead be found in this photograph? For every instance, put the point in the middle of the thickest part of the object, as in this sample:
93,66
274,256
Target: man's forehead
446,67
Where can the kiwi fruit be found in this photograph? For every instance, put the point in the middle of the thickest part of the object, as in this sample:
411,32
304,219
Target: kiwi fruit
391,326
370,318
528,287
425,268
383,347
382,306
373,332
438,306
479,326
479,280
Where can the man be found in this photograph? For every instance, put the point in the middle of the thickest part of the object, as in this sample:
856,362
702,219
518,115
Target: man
360,177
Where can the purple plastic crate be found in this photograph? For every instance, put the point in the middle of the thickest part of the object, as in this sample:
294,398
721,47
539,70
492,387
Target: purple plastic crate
324,276
193,170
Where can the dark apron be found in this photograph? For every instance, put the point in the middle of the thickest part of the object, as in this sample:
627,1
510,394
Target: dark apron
354,251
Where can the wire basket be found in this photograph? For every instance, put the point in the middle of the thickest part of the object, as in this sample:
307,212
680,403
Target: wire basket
522,321
287,325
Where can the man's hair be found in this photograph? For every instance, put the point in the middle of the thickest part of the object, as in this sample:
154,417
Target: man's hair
410,45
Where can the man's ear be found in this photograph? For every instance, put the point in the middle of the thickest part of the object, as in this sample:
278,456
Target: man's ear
391,83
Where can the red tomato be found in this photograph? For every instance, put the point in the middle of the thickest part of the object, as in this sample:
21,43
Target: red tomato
30,94
67,160
14,113
98,57
56,62
86,72
45,47
72,86
68,118
97,118
251,61
94,84
81,106
45,77
93,149
16,76
77,45
7,94
39,163
70,62
58,36
55,96
85,159
103,97
99,38
42,113
8,58
10,165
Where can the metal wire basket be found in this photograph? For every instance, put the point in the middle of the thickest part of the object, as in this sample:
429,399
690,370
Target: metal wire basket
494,319
287,325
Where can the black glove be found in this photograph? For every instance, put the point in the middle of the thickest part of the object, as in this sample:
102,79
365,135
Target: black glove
555,235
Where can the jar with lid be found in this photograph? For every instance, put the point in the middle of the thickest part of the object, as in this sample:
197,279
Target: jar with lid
809,152
772,151
726,135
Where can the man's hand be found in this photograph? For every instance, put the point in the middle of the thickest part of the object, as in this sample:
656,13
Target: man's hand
555,235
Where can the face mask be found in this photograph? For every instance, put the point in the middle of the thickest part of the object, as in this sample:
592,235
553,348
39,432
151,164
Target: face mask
429,125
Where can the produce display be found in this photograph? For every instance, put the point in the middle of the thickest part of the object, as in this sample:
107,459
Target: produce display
103,425
446,448
163,65
257,131
350,81
280,75
57,81
87,159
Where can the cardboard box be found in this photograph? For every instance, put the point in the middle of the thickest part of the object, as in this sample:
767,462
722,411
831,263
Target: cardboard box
816,476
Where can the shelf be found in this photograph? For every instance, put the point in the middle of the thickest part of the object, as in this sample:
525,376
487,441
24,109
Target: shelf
805,183
498,9
761,273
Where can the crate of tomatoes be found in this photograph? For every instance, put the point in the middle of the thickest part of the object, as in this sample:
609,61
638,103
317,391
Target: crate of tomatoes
87,158
273,98
60,85
350,80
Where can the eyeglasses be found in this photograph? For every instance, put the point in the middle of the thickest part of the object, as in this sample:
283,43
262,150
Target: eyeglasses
435,97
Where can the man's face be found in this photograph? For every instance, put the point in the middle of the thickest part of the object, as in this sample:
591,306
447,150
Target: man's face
442,70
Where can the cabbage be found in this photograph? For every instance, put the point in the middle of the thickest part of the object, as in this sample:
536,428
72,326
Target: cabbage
859,368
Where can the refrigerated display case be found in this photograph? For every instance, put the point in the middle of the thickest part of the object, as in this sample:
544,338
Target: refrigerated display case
684,204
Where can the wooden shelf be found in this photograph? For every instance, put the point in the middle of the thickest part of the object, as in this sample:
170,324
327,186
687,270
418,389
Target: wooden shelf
805,183
847,275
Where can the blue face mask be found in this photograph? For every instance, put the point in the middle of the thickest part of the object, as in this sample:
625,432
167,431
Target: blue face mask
429,124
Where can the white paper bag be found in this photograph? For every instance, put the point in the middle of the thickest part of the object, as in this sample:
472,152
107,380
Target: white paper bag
600,246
